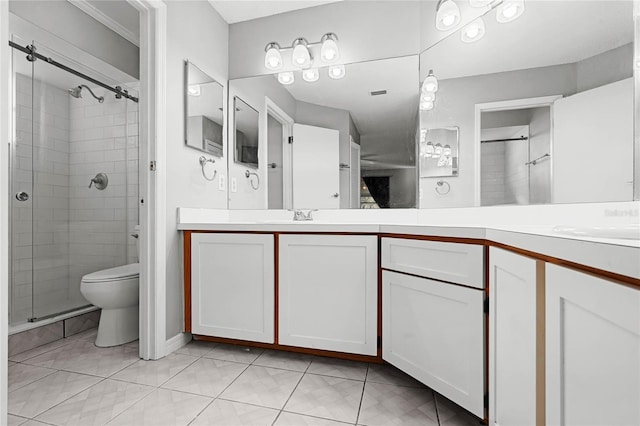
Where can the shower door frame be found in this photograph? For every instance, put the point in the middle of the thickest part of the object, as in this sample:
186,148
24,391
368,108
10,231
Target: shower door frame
543,101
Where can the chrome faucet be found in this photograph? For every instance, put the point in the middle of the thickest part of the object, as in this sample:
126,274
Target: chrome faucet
301,215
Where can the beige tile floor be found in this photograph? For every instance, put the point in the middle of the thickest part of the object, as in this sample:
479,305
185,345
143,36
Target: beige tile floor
72,382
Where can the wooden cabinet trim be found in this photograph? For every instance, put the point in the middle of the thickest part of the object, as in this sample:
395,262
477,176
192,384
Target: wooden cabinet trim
187,281
320,352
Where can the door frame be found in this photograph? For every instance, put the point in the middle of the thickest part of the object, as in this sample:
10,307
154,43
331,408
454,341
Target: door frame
543,101
272,109
352,187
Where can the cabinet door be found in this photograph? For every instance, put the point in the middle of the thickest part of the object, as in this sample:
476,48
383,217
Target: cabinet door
232,285
328,292
512,339
593,350
434,332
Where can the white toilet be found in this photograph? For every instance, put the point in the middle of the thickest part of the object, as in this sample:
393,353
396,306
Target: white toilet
115,290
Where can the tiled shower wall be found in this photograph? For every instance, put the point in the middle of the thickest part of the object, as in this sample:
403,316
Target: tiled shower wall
104,139
40,253
76,230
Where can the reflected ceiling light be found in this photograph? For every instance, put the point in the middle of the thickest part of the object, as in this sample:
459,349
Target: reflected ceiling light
286,78
509,10
437,152
272,57
480,3
473,32
194,90
447,150
301,57
447,15
329,52
429,149
310,75
337,71
427,97
426,105
430,84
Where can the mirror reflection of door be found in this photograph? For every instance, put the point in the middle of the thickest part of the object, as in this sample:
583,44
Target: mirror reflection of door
515,154
275,183
315,164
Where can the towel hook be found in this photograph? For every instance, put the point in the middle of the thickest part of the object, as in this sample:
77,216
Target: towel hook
203,162
248,175
440,183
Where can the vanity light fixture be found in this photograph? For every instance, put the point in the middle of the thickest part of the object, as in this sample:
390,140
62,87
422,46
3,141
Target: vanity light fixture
437,152
337,71
426,105
272,57
447,15
509,11
429,149
310,75
480,3
427,97
430,84
473,31
286,78
329,52
446,150
301,56
194,90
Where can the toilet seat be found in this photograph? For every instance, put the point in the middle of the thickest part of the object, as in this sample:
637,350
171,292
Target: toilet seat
113,274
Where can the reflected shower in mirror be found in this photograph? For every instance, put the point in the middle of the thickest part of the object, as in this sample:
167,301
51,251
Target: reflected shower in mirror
204,113
373,114
567,88
245,133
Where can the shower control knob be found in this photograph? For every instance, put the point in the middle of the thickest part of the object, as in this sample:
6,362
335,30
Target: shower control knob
22,196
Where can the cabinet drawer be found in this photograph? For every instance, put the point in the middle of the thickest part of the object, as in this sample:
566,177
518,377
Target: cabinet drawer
454,262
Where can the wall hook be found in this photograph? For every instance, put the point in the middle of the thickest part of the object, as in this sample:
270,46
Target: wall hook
203,162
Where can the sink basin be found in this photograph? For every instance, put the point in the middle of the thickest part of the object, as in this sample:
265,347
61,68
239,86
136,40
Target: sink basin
624,232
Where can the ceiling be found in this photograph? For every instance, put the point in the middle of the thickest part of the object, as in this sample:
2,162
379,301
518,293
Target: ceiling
233,11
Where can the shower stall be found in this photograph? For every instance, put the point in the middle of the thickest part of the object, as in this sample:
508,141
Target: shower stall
74,181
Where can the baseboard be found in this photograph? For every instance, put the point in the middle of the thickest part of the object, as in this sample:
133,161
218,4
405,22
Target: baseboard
176,342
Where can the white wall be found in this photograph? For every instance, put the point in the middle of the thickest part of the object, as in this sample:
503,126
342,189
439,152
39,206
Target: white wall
68,22
195,32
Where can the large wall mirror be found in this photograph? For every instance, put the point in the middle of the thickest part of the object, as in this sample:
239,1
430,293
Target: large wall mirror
204,111
545,108
534,103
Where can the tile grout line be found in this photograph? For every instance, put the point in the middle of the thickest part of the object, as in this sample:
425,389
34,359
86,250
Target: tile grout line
304,373
364,385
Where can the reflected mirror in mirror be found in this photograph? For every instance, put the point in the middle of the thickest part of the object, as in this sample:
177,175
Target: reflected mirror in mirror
245,133
438,151
204,115
544,107
363,126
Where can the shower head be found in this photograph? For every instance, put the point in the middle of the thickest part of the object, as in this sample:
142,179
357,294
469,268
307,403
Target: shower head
76,92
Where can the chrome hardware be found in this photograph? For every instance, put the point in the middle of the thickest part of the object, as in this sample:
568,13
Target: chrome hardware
135,235
336,195
248,175
101,180
203,162
22,196
301,215
441,184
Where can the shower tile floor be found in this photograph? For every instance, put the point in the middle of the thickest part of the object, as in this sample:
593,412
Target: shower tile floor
73,382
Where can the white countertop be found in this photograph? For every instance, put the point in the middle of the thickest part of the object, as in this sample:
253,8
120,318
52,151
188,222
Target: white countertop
620,256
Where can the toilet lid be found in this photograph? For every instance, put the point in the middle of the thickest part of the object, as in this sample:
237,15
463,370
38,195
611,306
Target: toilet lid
118,273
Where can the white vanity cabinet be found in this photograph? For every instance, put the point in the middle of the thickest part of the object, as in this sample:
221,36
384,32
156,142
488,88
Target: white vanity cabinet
433,324
512,338
593,350
232,285
327,292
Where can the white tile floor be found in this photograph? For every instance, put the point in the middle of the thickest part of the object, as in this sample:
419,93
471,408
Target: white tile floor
72,382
